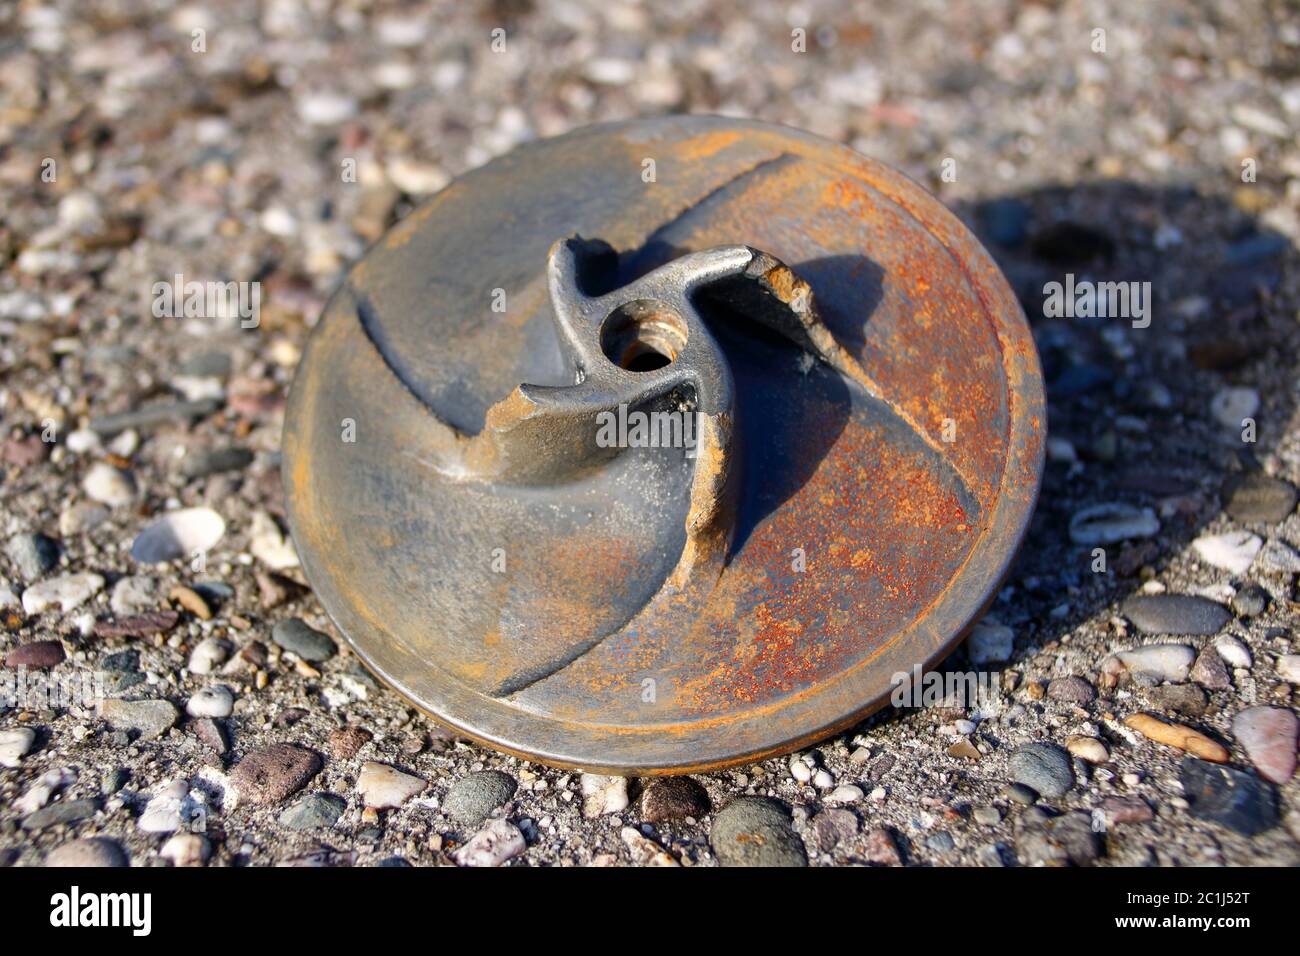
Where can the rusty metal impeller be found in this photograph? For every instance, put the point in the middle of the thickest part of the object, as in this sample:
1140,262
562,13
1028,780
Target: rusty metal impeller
854,451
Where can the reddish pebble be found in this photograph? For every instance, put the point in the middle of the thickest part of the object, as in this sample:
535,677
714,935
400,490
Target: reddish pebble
36,654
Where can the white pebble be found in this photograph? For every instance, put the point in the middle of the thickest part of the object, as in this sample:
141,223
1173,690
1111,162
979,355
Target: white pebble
186,849
1112,522
210,654
499,841
81,441
68,591
990,642
1233,651
108,485
1288,668
214,701
1233,551
384,788
183,533
603,795
14,744
845,793
1230,406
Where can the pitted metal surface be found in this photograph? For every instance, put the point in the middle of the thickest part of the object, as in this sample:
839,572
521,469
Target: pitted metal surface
866,422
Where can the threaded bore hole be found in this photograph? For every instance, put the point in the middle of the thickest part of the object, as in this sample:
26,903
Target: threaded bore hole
643,335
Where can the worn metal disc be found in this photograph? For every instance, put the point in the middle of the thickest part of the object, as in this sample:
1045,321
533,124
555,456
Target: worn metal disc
868,453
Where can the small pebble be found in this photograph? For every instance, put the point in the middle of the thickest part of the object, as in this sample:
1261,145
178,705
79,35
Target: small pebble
990,642
756,831
214,701
882,849
209,654
384,788
1175,614
845,793
603,795
941,842
169,810
1268,735
88,852
1176,735
149,718
186,849
1240,801
1111,523
269,774
1233,652
1088,748
1231,406
32,554
14,745
1257,498
1186,699
108,485
1126,810
346,741
184,533
1210,672
496,843
1153,663
1232,551
134,594
191,601
1250,601
673,798
1278,557
57,814
833,827
1072,689
1044,768
471,799
66,592
313,811
987,816
305,641
36,654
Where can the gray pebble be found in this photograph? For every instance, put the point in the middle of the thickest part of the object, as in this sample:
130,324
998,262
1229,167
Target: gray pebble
32,554
941,842
756,831
150,718
1175,614
1239,801
1256,497
313,811
90,851
1044,768
305,641
1022,794
472,798
1250,601
212,461
69,811
987,816
1056,841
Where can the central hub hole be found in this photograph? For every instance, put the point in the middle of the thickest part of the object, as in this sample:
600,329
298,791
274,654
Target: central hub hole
643,335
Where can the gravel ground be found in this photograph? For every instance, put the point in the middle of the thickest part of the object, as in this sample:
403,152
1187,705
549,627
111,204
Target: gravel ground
133,148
